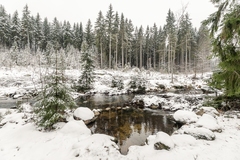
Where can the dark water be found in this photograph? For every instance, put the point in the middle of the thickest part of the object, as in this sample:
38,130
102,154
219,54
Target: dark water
11,103
130,127
102,101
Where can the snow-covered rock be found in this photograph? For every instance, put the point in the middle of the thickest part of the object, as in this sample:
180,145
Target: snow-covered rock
200,133
20,91
208,110
185,117
160,141
183,140
96,146
209,122
83,113
148,100
76,128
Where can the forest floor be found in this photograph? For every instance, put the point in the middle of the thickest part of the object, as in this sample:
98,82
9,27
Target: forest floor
21,139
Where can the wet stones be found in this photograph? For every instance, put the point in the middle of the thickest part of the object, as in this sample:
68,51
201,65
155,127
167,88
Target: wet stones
205,91
161,86
179,87
118,108
107,109
153,106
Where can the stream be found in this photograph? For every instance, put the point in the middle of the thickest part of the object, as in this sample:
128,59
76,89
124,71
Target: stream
130,126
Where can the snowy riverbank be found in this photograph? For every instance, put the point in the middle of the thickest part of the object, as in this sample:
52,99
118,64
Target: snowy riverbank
21,139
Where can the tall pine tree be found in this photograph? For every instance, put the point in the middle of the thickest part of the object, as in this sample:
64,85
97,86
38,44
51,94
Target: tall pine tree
225,32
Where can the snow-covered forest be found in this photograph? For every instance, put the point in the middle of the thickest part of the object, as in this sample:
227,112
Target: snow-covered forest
110,90
173,47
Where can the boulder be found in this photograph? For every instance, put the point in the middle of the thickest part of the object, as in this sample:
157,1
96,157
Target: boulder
161,86
119,108
200,133
209,122
16,96
154,106
163,141
183,140
208,110
160,141
185,117
107,109
83,113
90,121
96,113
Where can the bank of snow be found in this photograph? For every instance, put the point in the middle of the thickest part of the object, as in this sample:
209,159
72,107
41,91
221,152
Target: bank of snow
20,139
186,147
19,81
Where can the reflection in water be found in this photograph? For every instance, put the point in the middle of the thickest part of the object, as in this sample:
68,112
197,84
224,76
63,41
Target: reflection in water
103,101
131,127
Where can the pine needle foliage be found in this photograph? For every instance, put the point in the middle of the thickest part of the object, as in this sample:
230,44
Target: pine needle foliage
87,77
55,97
225,32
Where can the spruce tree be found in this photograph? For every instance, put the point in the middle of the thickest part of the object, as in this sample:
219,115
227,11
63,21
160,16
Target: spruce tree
100,33
45,35
37,32
15,30
109,24
89,36
122,36
55,96
4,26
115,35
225,32
140,38
26,28
67,35
129,34
87,78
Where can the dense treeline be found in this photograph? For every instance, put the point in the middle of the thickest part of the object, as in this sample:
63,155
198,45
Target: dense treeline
175,46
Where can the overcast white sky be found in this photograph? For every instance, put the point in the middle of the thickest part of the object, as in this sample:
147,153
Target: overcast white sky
141,12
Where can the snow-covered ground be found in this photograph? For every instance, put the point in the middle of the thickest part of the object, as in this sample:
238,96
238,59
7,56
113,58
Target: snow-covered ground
20,139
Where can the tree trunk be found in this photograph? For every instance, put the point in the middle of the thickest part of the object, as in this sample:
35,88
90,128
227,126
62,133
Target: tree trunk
159,59
136,57
116,49
147,58
122,54
182,60
110,51
169,61
130,59
186,59
164,56
154,58
101,53
126,54
172,58
189,57
140,65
